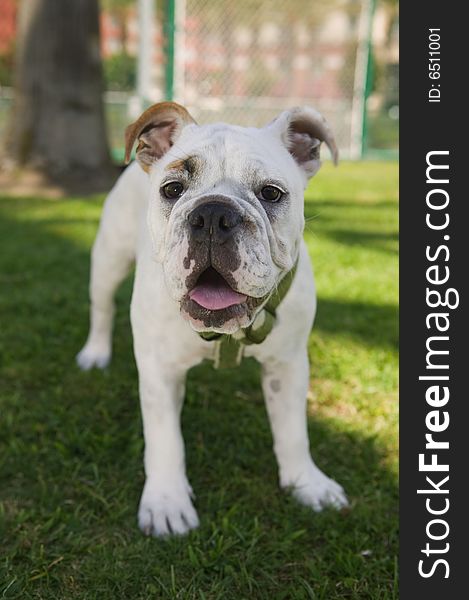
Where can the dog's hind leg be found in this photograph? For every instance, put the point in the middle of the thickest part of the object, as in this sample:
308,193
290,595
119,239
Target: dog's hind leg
109,267
112,258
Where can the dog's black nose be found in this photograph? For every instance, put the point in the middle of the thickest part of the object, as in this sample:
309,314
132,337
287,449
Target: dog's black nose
214,220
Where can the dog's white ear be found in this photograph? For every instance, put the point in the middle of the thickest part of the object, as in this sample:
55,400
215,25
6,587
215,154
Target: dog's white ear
302,130
156,131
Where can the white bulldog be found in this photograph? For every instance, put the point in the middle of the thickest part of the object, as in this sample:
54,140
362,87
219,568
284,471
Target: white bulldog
213,217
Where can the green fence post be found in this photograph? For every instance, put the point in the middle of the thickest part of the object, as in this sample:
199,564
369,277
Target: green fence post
368,78
170,34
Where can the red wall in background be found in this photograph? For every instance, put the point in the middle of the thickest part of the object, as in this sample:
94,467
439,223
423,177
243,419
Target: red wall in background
7,24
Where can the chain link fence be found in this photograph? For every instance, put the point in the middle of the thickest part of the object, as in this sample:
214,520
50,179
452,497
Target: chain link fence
244,62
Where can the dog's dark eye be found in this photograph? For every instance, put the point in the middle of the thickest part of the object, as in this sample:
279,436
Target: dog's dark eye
270,193
172,190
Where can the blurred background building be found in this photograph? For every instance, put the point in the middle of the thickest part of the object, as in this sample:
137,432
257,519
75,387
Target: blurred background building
243,62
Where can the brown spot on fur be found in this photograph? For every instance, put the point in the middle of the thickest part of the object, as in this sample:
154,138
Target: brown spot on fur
275,385
177,165
189,165
161,114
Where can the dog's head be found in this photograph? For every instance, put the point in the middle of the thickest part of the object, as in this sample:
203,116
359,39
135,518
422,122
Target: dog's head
226,207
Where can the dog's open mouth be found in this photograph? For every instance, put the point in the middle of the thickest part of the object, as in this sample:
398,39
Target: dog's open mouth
213,305
213,292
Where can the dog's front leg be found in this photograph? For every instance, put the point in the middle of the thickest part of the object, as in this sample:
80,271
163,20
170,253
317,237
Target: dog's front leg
166,505
285,385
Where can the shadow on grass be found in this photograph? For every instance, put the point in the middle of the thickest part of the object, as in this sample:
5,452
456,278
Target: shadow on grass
313,206
317,221
365,239
71,462
372,324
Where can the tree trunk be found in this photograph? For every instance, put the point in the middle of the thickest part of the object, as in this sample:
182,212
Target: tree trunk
57,124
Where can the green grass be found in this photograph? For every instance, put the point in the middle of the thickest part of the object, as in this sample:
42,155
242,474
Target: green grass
71,443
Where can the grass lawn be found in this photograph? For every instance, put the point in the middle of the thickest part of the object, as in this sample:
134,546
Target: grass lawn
71,444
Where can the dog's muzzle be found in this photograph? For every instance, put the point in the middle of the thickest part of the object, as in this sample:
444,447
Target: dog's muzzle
214,222
215,227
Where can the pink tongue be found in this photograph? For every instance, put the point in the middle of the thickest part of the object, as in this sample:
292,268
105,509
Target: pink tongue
216,294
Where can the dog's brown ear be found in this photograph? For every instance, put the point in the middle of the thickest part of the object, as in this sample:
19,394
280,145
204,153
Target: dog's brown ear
156,131
302,130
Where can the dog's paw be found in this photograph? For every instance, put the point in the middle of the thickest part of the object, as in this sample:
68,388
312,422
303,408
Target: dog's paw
318,491
94,355
166,510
